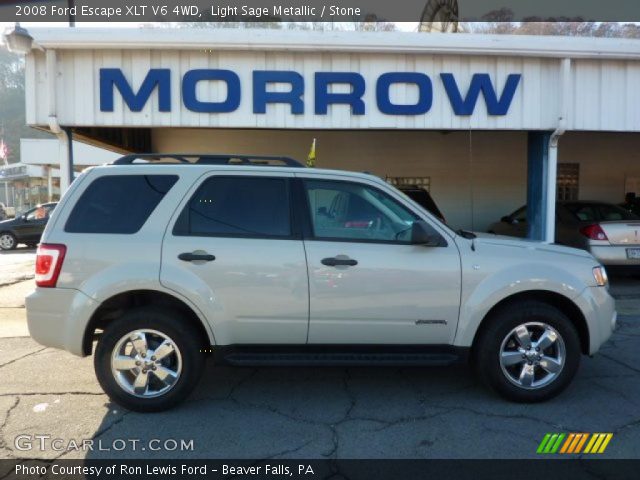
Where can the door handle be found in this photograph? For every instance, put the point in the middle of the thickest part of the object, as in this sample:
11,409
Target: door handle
191,257
337,261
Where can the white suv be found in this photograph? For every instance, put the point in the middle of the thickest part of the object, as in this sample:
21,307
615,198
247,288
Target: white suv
166,259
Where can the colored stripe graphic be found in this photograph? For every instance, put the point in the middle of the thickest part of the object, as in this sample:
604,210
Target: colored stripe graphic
605,443
551,442
598,442
582,442
543,443
570,439
573,442
594,437
556,445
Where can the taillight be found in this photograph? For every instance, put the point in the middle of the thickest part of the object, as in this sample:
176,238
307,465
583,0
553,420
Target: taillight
594,232
49,258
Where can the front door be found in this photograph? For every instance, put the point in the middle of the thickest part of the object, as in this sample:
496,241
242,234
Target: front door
368,284
235,250
35,220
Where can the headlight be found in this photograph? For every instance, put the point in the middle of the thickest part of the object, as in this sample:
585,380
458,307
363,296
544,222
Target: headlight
600,274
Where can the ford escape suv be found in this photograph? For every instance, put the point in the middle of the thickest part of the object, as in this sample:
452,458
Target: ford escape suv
166,259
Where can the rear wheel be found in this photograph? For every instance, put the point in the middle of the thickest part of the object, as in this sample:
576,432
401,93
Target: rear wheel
149,359
8,241
528,352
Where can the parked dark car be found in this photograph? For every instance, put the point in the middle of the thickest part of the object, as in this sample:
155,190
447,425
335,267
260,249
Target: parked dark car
609,232
26,228
422,198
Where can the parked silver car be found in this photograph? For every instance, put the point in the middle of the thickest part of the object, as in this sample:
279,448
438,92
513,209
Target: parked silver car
609,232
283,265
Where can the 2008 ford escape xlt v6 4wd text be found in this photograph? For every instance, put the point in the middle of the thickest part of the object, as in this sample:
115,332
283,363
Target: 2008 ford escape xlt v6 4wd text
165,257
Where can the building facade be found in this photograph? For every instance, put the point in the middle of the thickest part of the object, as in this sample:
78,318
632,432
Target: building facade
486,123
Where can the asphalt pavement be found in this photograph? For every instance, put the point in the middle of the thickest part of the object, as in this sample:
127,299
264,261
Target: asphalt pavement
50,403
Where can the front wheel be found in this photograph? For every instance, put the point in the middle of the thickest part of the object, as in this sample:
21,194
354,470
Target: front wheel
528,352
149,359
8,241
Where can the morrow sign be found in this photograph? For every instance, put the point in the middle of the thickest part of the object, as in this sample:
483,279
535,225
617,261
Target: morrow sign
463,101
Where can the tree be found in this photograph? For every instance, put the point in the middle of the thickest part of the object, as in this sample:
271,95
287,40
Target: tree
501,22
12,104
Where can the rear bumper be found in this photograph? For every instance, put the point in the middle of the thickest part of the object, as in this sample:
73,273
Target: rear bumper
599,309
58,317
613,255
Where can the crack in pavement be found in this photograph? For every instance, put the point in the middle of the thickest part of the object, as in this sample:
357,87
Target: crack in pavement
514,416
619,362
21,279
24,356
104,430
416,418
612,391
287,451
630,424
3,443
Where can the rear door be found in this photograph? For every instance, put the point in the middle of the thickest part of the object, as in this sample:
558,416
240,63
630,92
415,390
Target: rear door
368,284
233,246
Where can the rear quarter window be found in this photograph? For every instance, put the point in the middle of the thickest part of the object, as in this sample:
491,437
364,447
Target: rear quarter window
118,203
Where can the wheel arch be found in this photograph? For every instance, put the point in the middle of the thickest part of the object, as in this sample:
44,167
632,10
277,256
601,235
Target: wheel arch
112,307
562,303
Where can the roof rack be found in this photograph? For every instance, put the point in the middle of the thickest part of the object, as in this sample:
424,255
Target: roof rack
207,159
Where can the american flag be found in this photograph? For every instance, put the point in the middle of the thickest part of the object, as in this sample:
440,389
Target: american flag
4,152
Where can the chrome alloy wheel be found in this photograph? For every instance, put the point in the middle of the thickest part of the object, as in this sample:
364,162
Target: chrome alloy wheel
6,241
146,363
532,355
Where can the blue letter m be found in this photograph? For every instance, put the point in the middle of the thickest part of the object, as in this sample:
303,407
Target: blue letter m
480,82
111,78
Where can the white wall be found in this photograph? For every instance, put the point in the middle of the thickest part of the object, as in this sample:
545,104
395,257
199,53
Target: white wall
606,160
496,161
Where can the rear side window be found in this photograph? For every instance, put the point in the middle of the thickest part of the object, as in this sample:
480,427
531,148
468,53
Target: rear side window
238,207
118,203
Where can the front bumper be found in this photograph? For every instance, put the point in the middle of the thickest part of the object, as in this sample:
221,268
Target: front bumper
599,309
58,317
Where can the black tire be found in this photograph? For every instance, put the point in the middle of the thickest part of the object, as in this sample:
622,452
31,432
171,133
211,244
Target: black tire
487,350
11,241
174,325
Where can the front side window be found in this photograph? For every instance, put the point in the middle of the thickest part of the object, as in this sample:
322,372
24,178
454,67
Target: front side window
238,207
118,204
41,212
353,211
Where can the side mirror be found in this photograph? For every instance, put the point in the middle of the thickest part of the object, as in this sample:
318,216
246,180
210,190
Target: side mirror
423,234
507,219
23,217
